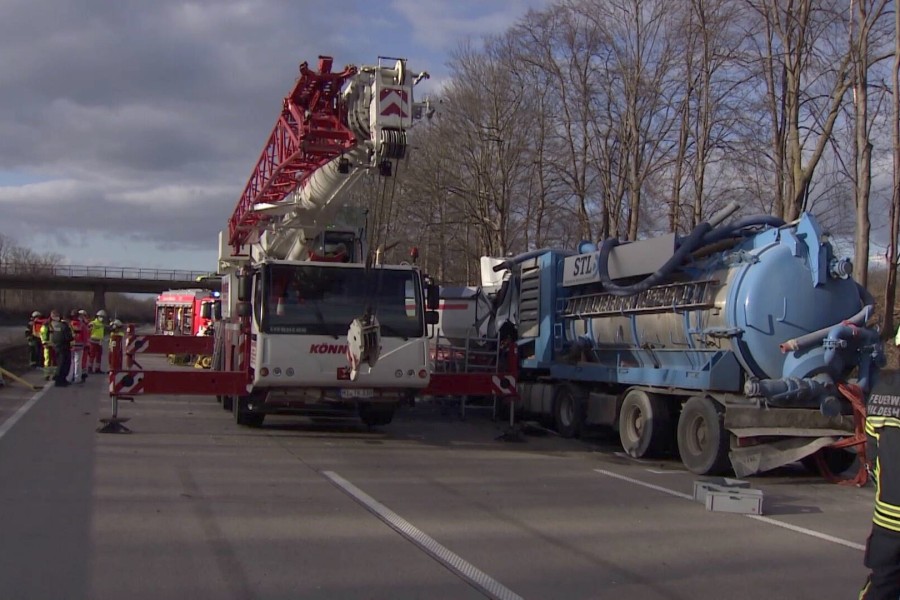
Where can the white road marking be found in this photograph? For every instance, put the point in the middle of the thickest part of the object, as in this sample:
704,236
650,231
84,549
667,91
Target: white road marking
769,520
8,424
658,488
655,472
811,532
465,570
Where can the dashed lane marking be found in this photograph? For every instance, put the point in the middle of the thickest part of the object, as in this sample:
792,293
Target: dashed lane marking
8,424
769,520
480,580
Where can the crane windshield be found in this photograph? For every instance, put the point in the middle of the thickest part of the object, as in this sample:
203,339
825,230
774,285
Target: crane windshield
320,300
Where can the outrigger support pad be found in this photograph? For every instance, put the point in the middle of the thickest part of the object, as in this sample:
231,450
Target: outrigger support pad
114,424
513,431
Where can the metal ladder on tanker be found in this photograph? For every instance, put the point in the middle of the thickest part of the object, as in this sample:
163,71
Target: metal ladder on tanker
690,295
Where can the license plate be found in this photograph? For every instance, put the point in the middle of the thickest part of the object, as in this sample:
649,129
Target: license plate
357,392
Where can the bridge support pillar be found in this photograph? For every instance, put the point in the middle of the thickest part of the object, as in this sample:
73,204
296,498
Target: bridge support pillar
99,300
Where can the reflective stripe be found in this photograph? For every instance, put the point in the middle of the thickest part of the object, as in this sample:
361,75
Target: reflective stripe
885,522
888,510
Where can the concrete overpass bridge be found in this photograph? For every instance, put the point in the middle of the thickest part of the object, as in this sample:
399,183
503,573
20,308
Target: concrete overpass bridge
100,280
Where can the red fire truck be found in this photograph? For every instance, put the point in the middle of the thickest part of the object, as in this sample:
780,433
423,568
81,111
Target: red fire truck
186,312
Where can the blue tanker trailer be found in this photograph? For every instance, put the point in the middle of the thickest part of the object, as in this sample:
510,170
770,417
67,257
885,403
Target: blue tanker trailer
737,343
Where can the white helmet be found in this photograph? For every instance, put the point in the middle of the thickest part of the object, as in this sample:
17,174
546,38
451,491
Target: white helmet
35,314
101,313
82,312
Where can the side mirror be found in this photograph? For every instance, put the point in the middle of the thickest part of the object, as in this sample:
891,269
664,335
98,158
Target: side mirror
217,310
206,310
245,288
244,309
433,300
432,317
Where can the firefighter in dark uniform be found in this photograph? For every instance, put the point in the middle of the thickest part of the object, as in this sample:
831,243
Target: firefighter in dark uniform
883,449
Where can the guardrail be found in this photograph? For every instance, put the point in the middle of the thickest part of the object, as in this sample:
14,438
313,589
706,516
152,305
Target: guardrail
101,272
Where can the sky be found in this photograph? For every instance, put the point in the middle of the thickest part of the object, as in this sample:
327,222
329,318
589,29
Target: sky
129,128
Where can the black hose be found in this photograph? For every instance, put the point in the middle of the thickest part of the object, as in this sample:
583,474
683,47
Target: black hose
702,235
738,227
688,244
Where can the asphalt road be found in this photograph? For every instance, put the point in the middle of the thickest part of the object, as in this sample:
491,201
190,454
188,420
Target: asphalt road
192,506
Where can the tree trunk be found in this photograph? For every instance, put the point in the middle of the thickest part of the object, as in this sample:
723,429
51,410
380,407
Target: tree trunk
890,291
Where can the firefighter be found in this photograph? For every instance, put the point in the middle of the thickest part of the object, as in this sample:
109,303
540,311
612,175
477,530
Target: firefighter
883,448
116,339
98,332
47,348
61,337
79,342
33,339
86,332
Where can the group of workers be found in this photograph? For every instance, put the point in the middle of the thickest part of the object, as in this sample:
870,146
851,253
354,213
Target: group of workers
68,349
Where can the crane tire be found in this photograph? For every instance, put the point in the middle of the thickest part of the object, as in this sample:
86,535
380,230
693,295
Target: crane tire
243,415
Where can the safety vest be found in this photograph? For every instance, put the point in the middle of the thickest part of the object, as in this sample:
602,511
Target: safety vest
883,425
98,330
37,325
77,331
44,333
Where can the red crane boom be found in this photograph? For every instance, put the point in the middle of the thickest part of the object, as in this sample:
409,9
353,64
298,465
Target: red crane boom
310,132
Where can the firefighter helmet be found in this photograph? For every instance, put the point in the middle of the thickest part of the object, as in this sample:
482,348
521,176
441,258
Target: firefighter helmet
101,313
82,312
36,314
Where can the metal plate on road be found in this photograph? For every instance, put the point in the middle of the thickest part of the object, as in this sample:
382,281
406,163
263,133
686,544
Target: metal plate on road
357,392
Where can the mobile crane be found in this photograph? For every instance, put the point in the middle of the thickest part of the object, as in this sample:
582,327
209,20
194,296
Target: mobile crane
311,319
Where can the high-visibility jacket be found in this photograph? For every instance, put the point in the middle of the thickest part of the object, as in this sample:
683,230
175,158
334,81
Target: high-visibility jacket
78,327
85,331
98,330
36,326
883,431
44,332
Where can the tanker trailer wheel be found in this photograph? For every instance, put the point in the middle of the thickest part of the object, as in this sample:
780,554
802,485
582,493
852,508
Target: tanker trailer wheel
703,442
227,403
568,411
644,423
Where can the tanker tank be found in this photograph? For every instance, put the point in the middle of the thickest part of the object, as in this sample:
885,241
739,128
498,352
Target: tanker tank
748,298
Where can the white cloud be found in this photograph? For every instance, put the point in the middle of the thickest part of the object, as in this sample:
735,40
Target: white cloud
140,122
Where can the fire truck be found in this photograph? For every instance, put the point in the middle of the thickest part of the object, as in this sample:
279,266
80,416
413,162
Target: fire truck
312,319
186,312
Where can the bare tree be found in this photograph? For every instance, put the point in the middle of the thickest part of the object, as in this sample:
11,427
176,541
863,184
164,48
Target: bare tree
867,13
639,80
707,107
559,47
806,78
890,292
